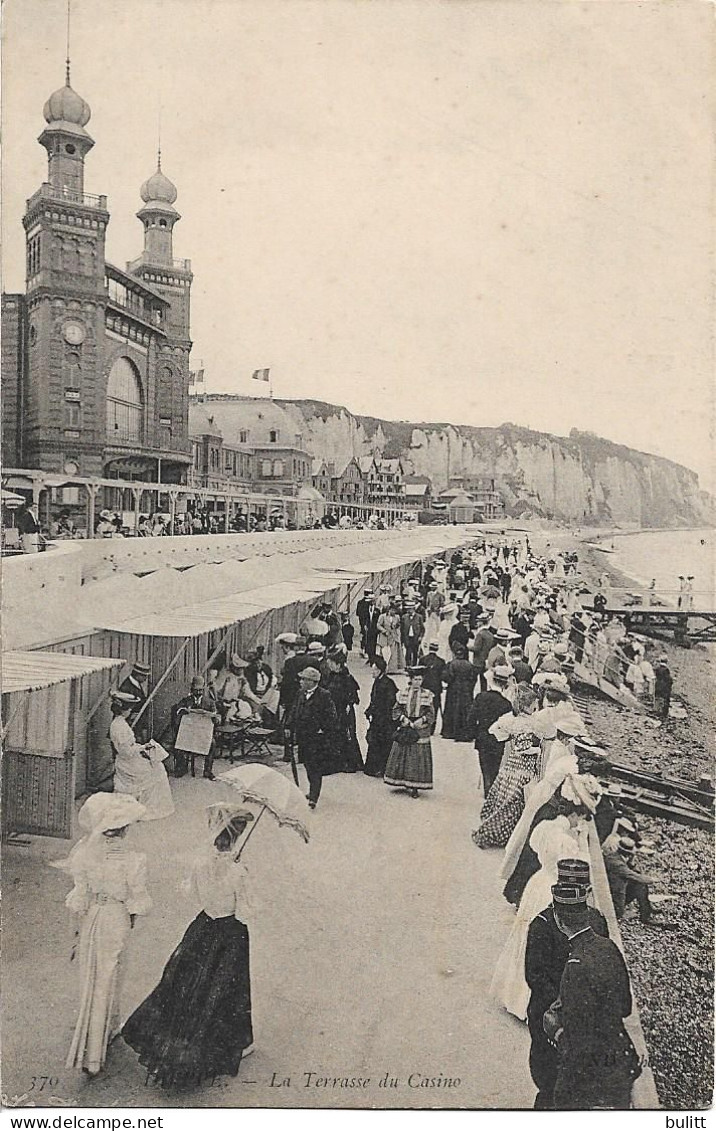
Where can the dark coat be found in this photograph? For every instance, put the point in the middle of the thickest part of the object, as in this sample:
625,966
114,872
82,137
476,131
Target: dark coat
460,676
487,708
597,1060
252,673
459,634
381,726
364,608
314,729
482,645
417,621
545,959
289,679
433,675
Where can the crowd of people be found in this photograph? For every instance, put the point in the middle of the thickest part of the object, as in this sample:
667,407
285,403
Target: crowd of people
488,648
34,534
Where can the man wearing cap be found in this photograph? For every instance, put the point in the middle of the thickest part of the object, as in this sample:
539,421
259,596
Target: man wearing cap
200,698
626,883
545,959
597,1062
313,726
487,707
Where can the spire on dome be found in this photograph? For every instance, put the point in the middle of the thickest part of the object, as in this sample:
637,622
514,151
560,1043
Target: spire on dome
158,189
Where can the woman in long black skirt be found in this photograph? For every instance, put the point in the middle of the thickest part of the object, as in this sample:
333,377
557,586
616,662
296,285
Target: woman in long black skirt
196,1024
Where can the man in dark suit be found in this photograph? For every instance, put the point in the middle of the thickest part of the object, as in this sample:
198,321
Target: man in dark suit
364,608
412,630
434,666
545,959
480,647
314,731
487,707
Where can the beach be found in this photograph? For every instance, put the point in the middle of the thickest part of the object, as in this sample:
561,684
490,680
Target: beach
671,964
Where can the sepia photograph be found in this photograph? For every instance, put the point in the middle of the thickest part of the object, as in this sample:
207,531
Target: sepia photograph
358,498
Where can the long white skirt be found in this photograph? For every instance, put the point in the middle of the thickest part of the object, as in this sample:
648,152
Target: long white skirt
145,779
103,935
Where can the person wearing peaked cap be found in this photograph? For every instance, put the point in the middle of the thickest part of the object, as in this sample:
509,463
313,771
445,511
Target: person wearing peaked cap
564,837
546,955
596,1059
626,883
313,729
110,890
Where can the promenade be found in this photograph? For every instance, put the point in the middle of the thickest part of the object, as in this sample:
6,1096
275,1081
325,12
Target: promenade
372,950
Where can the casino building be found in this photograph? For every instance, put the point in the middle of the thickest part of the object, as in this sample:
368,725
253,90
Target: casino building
95,358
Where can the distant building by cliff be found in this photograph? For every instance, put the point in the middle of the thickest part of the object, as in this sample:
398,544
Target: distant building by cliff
417,492
382,480
250,441
483,490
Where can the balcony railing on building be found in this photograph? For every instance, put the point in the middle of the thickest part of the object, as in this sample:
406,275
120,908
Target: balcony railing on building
72,196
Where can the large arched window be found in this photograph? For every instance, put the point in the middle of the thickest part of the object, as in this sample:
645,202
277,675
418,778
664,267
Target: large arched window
125,410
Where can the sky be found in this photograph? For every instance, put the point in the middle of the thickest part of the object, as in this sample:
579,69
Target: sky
447,210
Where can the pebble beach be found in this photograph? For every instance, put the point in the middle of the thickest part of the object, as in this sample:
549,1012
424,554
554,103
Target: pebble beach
672,961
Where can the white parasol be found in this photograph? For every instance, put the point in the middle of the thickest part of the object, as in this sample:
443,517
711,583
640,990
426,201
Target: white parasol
273,792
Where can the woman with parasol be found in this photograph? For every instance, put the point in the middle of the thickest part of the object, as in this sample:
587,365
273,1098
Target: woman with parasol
196,1024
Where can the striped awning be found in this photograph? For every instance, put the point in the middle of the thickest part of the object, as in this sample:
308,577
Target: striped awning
28,671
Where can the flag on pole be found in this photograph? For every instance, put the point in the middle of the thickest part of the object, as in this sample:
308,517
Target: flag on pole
261,375
196,382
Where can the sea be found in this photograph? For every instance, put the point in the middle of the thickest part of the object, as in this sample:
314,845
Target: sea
663,555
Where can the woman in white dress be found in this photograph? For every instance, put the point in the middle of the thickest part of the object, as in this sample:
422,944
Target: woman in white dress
564,837
448,620
110,891
138,769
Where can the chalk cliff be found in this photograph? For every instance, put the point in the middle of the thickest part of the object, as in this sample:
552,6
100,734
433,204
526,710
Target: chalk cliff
579,477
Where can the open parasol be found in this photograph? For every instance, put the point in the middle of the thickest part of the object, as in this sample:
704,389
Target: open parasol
275,794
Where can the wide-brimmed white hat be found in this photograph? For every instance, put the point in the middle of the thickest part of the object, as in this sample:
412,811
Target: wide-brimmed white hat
104,811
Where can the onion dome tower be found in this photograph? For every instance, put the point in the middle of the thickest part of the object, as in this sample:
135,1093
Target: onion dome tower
158,216
66,139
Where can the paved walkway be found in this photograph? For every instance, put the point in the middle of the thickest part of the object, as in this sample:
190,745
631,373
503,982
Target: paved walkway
372,953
